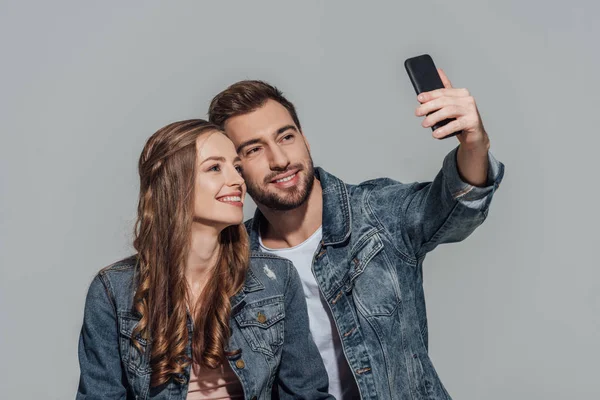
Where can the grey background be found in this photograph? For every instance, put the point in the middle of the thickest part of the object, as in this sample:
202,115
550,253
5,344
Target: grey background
513,310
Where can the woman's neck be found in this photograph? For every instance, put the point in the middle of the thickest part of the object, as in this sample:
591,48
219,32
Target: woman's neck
202,258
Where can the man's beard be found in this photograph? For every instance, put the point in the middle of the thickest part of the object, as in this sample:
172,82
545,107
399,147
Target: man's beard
292,197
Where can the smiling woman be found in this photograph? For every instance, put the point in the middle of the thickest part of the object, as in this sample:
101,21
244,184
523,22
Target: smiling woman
194,315
218,181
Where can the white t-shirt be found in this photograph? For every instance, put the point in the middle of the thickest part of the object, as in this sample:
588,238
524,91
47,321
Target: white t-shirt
322,326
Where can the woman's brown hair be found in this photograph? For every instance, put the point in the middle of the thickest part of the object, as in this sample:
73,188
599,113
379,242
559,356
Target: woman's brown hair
167,169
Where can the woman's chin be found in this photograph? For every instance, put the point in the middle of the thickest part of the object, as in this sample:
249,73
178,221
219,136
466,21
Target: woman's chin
232,221
220,224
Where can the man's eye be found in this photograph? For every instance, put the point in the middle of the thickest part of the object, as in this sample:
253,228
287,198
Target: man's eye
288,137
252,150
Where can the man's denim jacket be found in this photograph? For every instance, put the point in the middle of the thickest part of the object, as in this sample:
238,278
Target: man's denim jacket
269,324
369,270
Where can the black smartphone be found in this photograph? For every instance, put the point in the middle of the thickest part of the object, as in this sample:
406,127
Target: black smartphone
425,78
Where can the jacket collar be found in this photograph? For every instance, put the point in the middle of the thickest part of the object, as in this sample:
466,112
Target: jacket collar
337,217
252,284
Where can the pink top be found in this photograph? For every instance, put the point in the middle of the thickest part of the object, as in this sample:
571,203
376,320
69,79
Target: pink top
218,383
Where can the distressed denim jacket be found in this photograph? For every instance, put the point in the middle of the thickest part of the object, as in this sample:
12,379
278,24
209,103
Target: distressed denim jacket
269,333
369,270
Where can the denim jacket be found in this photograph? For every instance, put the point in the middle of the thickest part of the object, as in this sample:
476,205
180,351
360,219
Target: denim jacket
369,270
269,324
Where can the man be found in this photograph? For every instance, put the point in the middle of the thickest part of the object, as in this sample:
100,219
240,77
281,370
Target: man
359,249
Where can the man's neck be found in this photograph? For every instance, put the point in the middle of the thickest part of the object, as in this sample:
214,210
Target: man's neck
290,228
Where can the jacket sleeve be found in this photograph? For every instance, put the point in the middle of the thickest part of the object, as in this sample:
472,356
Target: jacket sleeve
101,374
302,374
424,215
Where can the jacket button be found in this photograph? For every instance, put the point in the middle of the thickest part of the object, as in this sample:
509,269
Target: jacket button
240,363
261,318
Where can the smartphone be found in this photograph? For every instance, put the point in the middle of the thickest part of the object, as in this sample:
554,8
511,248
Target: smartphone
425,78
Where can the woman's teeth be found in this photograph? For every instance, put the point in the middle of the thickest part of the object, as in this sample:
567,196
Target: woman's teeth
231,199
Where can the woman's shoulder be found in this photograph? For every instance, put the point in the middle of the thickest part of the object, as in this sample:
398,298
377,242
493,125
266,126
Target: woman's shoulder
122,270
118,280
266,261
269,269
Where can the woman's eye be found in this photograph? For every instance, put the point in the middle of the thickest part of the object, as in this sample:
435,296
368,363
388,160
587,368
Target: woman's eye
215,168
238,168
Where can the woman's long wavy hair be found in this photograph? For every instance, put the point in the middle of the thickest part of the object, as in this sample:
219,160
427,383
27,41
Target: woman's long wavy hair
167,169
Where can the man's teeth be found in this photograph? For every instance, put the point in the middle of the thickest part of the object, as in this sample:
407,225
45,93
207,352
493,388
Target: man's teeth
289,178
231,198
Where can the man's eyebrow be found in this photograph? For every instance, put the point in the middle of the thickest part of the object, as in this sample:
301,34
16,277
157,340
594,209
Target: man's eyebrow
278,132
247,143
286,128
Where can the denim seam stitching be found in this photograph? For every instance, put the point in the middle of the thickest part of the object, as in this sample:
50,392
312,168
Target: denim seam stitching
406,257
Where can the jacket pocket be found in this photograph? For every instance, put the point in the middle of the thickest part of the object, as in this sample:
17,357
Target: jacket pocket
375,286
136,361
261,324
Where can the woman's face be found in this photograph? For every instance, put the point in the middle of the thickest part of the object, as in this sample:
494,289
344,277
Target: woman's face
219,186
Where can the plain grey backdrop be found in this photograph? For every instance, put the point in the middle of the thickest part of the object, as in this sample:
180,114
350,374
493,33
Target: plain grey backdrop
513,310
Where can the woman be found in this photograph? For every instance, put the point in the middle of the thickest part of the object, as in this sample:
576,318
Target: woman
193,315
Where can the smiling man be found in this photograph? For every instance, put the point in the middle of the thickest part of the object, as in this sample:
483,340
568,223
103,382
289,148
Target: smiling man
359,249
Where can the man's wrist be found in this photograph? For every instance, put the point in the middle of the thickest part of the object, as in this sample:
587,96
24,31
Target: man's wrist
478,148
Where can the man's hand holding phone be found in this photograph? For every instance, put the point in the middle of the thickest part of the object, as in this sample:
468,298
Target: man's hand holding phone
454,103
448,111
451,112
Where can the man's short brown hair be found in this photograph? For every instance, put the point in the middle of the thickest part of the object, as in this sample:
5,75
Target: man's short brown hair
244,97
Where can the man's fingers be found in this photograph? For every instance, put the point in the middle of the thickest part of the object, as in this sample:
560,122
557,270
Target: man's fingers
434,105
448,129
452,111
435,94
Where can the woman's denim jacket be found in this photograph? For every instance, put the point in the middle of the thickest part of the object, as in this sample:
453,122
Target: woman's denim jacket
269,324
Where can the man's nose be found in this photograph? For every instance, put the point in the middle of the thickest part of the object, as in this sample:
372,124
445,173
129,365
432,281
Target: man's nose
278,161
